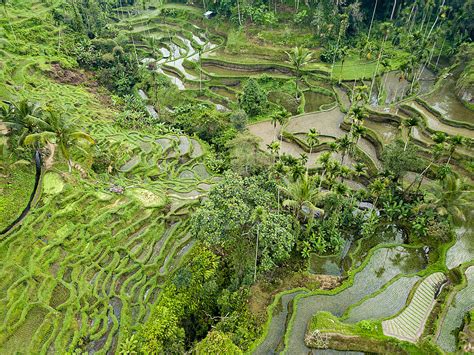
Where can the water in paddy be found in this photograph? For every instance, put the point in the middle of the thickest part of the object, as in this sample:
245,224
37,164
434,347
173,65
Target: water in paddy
325,265
446,101
314,100
394,86
434,123
461,304
386,131
463,250
384,265
274,337
360,249
174,79
387,303
427,81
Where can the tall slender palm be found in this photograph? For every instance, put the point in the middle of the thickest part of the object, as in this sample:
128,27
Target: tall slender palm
452,198
372,20
357,132
345,145
274,148
344,23
62,133
343,53
410,123
299,57
376,189
282,118
312,138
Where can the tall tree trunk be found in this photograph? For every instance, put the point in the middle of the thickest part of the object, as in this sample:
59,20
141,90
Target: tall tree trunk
256,254
372,20
238,13
393,9
436,21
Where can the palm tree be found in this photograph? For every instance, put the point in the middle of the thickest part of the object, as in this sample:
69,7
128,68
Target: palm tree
62,133
297,170
343,53
410,122
360,169
377,188
23,117
274,148
324,160
452,198
299,57
301,197
278,172
454,142
344,23
312,140
372,20
282,117
357,131
345,145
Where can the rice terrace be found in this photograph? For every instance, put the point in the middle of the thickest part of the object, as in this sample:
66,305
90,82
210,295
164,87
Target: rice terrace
236,177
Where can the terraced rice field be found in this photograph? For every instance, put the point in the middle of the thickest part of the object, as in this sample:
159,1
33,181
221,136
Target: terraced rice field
461,304
388,302
383,265
409,324
87,264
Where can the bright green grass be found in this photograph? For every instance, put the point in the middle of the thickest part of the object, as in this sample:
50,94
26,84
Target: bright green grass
86,265
16,185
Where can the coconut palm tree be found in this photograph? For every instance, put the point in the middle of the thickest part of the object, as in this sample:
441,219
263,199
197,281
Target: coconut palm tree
409,123
301,197
299,57
451,197
23,118
62,133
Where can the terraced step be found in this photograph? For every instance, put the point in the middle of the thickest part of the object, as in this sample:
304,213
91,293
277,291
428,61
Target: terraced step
409,324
